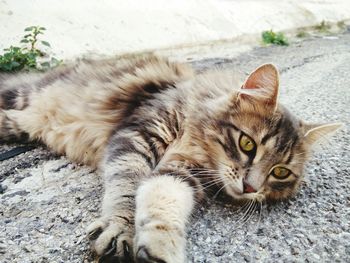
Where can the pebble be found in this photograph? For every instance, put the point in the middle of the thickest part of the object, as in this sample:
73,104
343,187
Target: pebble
16,193
2,188
219,252
2,248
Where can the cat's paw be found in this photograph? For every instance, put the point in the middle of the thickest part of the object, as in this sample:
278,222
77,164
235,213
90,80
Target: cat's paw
160,244
144,256
111,240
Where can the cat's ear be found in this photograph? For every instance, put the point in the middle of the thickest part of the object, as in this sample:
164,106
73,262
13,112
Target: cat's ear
315,132
262,85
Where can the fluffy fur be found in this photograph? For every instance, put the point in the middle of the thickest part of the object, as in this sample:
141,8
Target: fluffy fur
160,135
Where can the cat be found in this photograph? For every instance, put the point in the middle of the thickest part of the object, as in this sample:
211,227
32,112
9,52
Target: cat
160,134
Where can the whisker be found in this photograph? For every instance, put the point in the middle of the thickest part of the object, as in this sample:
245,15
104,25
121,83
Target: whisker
198,177
301,153
205,173
242,207
252,212
202,169
217,193
283,213
245,213
260,212
249,214
189,175
212,184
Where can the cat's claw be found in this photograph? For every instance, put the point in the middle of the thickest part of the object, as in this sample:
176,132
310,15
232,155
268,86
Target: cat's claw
94,234
111,241
111,256
159,247
143,256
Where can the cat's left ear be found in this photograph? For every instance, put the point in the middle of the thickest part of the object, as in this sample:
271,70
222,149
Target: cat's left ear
315,132
262,86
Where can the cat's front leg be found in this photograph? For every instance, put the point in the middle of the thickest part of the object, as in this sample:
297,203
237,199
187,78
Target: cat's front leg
163,206
112,234
128,160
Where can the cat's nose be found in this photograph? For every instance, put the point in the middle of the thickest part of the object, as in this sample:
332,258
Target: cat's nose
247,188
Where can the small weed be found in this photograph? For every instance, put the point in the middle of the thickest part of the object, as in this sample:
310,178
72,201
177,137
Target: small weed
270,37
323,27
27,56
302,34
341,25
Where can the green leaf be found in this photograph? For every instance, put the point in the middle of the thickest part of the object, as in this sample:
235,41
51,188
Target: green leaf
55,60
29,28
7,66
25,57
15,64
45,64
45,43
32,55
15,49
8,56
270,37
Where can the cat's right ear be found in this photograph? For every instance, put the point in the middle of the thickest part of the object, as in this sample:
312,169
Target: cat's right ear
261,86
316,132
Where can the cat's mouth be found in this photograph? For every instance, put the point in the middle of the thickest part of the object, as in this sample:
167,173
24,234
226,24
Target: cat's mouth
247,188
247,192
240,192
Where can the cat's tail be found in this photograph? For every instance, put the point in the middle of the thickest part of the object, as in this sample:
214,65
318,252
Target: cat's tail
15,90
13,98
9,128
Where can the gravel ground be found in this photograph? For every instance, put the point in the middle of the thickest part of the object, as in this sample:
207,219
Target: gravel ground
46,201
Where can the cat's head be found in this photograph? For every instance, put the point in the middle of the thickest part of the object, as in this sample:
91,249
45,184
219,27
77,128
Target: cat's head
258,146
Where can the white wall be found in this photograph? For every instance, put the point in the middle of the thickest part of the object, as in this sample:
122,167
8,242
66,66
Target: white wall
76,27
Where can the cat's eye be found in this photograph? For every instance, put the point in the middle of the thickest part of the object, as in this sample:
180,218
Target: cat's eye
280,172
246,143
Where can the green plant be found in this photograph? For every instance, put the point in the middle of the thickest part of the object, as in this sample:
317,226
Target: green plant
341,25
302,34
323,27
270,37
29,55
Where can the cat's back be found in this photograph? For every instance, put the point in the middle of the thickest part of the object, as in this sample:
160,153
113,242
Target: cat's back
124,76
75,108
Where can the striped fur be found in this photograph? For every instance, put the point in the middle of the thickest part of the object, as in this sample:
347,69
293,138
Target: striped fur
159,134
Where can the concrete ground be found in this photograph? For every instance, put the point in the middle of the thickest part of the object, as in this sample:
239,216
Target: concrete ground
46,201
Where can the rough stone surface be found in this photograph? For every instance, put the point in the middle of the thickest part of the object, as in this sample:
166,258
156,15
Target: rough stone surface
46,201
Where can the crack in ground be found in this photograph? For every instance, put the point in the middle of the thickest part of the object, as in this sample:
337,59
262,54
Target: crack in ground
304,62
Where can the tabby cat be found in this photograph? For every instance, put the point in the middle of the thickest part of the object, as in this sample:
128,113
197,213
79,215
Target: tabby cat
159,134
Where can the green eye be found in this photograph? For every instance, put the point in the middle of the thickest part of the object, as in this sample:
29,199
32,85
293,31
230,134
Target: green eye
280,172
246,143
